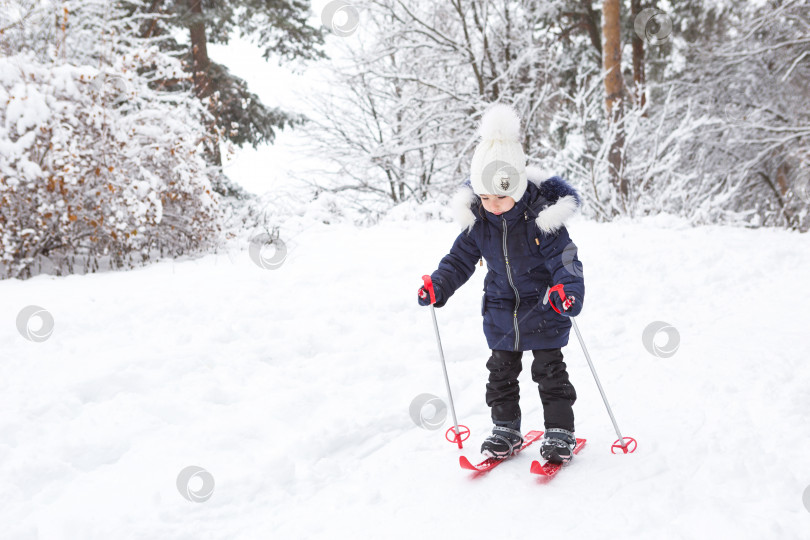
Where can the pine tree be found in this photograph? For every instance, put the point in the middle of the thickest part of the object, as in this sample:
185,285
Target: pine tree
277,26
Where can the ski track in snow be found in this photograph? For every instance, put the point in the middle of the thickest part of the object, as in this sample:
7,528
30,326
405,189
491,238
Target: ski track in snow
292,388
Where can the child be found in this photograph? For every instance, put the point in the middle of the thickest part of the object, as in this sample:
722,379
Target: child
517,227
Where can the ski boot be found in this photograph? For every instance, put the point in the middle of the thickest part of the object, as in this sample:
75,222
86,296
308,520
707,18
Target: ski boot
505,440
557,446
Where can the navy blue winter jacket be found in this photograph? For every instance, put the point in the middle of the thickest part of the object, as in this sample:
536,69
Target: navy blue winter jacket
517,314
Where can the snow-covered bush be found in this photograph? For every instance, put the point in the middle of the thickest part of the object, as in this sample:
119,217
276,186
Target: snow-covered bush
80,176
97,164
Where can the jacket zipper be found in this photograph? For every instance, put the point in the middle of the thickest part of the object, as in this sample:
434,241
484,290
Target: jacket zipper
509,276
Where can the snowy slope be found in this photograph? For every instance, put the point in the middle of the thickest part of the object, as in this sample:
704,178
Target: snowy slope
292,388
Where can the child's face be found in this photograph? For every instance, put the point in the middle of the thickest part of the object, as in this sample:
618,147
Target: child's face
497,204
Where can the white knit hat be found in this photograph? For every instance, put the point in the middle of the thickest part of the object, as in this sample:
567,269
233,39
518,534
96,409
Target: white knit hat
499,165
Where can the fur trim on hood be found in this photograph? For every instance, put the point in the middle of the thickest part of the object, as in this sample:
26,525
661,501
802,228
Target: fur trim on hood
554,201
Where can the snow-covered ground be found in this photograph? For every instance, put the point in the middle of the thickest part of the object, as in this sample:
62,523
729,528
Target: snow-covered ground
292,388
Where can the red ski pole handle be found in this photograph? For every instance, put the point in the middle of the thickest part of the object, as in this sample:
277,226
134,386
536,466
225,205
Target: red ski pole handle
429,287
566,303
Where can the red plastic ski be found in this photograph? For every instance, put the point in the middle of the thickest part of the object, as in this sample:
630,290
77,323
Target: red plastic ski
491,463
550,469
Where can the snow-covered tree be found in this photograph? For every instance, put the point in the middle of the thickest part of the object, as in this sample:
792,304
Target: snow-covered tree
279,27
717,130
401,122
747,92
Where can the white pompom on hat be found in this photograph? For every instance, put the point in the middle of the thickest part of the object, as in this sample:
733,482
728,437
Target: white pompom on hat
499,165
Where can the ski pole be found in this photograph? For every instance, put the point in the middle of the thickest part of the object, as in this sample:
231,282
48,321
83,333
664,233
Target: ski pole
620,442
457,438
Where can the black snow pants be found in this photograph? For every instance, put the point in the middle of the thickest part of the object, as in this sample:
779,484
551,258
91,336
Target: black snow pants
548,371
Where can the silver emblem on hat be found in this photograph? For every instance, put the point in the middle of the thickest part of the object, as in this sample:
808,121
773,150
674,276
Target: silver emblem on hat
503,180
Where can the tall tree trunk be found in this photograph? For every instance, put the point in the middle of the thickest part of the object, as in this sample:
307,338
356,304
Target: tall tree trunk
200,63
612,58
591,21
638,58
